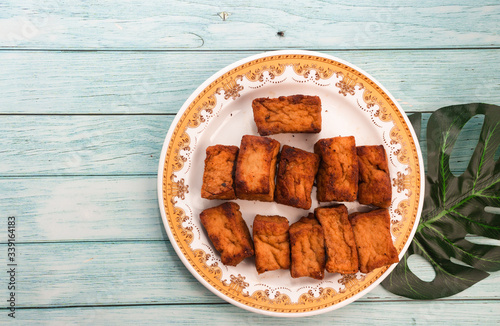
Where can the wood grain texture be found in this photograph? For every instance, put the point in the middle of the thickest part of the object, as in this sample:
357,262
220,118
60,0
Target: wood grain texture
89,90
158,83
64,209
96,145
90,145
359,313
201,25
137,272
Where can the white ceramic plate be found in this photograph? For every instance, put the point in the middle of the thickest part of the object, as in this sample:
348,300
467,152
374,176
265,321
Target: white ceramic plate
220,112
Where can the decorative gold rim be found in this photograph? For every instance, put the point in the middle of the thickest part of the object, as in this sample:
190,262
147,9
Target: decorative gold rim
228,84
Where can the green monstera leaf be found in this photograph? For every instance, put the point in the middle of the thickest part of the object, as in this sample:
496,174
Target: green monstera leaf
454,208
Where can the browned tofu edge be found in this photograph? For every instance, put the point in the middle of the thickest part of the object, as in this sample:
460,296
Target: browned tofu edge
262,113
224,173
308,227
233,220
374,177
273,226
287,178
347,236
244,179
390,254
329,174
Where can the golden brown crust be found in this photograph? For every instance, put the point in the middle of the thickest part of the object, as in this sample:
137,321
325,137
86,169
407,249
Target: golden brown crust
374,178
341,253
372,232
218,176
296,172
337,178
272,244
228,232
256,168
287,114
307,246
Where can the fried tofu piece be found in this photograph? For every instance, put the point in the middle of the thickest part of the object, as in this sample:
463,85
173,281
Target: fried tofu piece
337,178
218,176
341,252
307,246
228,232
272,243
256,168
372,233
296,172
374,186
287,114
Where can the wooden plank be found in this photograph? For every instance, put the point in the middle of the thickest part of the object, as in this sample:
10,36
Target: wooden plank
151,82
135,272
74,180
203,25
66,209
96,273
110,145
90,145
358,313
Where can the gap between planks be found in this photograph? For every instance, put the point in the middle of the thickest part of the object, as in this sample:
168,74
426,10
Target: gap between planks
359,301
19,49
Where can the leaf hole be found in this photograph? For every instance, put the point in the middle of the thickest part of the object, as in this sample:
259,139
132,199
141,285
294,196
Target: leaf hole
466,144
421,267
492,210
480,240
459,262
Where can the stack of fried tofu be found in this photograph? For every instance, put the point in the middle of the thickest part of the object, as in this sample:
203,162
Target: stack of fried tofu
329,239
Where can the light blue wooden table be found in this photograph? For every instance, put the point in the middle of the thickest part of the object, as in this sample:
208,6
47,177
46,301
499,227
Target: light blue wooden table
88,90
